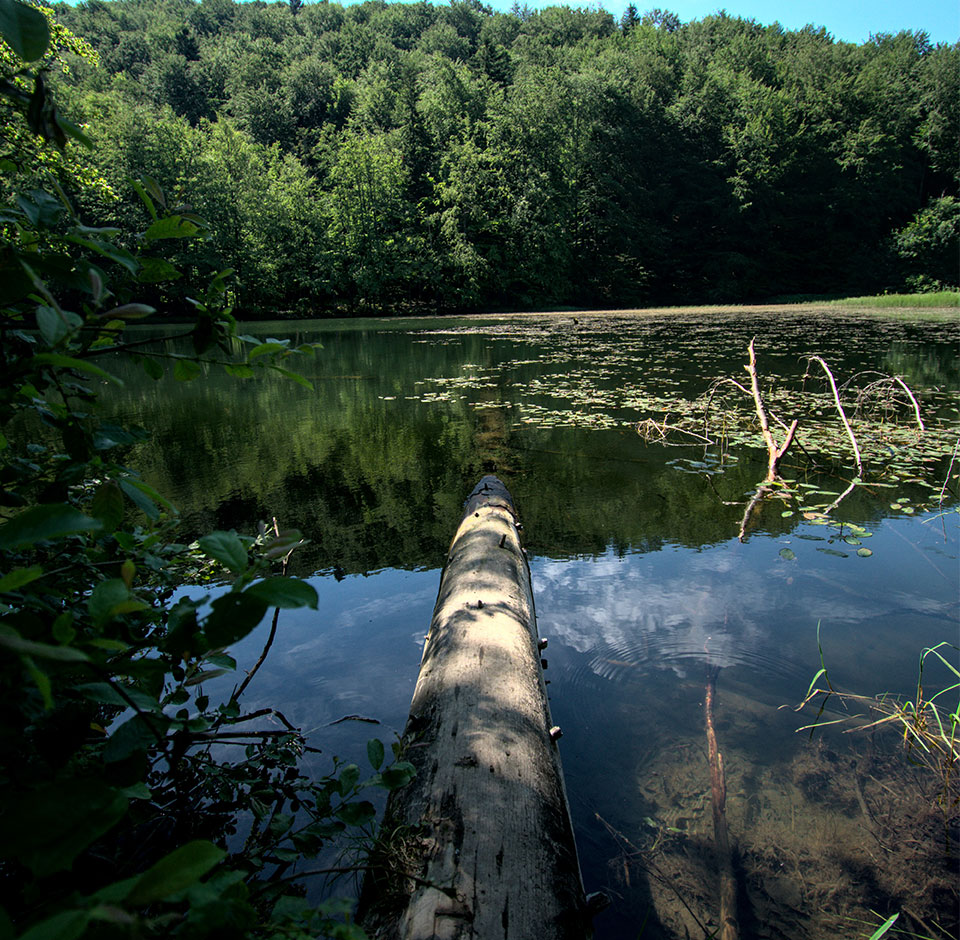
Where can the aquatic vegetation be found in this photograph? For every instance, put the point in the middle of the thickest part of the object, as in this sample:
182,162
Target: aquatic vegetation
929,728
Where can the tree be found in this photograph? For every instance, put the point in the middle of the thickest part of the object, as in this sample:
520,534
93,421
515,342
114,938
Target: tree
927,246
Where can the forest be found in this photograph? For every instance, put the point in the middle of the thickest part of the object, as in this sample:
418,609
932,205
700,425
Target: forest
388,157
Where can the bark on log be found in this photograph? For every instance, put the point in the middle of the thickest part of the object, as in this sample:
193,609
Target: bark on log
485,825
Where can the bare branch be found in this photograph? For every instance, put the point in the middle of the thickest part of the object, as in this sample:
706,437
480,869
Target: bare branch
916,406
842,413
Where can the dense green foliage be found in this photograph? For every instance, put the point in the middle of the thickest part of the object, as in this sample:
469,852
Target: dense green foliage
138,797
397,156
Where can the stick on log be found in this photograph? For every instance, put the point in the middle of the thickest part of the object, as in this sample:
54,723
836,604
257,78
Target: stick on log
490,850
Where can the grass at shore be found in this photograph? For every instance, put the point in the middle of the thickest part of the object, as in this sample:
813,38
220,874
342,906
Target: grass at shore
944,298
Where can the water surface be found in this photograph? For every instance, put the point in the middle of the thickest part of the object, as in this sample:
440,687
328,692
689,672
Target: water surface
641,582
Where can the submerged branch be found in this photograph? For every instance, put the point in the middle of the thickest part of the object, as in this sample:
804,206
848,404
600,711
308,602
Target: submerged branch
729,928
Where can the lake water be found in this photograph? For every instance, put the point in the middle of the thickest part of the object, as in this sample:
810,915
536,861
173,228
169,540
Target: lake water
641,582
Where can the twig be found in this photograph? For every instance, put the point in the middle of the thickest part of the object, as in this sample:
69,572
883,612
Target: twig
238,691
774,453
842,413
651,867
916,406
840,498
755,500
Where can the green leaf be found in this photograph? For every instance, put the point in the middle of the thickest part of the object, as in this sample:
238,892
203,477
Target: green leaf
67,925
19,577
25,29
108,250
787,554
186,370
111,599
884,928
375,753
50,521
233,616
55,324
137,791
46,828
171,226
864,552
204,676
294,376
222,659
78,365
267,348
356,814
130,311
177,872
140,190
11,640
399,775
284,592
107,505
239,371
153,368
349,777
144,496
156,270
135,734
73,130
226,548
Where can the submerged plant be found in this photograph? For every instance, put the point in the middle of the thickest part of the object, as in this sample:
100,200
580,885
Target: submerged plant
929,725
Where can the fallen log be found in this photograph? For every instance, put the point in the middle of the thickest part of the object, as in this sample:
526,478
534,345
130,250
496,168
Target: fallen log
480,844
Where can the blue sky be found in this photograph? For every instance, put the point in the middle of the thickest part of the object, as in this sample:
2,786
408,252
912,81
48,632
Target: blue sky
848,20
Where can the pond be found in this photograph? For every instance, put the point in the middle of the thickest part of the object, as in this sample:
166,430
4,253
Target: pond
643,581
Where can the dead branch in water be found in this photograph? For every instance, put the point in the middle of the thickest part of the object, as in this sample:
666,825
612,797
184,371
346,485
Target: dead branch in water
729,928
651,431
842,413
775,453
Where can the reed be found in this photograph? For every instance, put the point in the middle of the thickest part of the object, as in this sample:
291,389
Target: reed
929,725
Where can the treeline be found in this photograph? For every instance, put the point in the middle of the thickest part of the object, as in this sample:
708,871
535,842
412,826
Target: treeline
393,157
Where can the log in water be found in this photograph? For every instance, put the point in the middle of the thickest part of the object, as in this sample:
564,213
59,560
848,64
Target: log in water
483,833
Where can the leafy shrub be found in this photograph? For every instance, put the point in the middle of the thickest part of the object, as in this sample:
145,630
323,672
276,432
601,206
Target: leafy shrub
124,811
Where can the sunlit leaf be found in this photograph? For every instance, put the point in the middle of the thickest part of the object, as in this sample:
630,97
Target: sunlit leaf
226,548
171,226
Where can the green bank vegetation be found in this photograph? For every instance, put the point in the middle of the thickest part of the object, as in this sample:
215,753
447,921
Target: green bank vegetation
136,801
945,298
392,156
